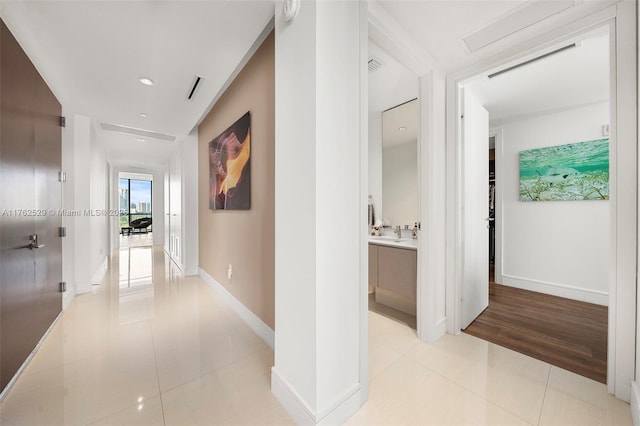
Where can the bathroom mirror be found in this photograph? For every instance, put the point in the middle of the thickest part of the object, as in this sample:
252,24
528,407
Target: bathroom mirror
400,164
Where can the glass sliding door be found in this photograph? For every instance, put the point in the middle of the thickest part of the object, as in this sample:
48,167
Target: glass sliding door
135,200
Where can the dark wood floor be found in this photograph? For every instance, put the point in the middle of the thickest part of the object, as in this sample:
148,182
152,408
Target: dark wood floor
563,332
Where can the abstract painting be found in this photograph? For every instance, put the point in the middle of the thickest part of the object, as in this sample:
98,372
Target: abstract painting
230,167
576,171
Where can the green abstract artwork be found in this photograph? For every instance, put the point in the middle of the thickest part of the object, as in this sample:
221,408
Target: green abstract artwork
576,171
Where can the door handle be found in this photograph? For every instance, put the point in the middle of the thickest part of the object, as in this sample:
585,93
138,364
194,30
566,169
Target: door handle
32,246
33,242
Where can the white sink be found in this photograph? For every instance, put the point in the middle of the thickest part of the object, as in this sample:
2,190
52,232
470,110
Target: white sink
393,241
388,238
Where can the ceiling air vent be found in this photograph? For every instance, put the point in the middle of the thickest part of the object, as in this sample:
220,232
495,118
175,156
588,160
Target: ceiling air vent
374,64
497,73
194,87
137,132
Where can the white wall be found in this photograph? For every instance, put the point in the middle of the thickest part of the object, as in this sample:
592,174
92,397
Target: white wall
99,220
175,208
85,201
80,230
400,184
375,161
555,247
189,201
157,206
635,393
181,178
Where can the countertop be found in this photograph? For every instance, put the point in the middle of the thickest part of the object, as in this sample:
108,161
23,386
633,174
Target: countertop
405,243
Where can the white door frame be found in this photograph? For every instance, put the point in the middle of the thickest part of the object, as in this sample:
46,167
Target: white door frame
393,38
497,133
623,180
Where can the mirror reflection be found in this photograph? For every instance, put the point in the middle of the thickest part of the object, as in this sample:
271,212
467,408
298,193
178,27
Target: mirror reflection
400,165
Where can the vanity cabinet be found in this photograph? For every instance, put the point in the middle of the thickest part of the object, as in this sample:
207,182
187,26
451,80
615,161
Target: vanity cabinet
373,267
393,271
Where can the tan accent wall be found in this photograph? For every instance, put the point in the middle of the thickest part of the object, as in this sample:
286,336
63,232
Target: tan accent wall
244,239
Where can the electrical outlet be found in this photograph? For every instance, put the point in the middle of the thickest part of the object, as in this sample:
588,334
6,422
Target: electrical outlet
229,271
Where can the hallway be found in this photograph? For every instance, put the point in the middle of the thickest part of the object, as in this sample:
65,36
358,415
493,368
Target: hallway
150,347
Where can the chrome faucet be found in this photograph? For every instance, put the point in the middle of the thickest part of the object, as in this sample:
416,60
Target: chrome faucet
397,231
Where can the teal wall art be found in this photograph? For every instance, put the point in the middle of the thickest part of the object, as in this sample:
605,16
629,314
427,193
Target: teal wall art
576,171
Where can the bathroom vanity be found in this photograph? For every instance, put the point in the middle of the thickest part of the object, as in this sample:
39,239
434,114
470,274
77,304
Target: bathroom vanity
393,271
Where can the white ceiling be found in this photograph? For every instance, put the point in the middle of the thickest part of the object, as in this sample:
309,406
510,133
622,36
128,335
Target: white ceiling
125,150
576,76
440,25
91,53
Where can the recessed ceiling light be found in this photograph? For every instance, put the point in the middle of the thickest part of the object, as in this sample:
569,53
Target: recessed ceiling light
143,114
140,140
146,81
402,129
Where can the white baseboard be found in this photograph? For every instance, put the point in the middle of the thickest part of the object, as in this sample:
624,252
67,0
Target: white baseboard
635,403
555,289
191,271
68,296
256,324
300,411
441,327
26,362
84,288
297,408
98,275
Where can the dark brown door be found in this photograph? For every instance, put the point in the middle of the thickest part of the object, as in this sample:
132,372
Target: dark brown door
30,158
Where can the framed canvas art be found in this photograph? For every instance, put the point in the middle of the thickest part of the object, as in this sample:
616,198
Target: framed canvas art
230,167
576,171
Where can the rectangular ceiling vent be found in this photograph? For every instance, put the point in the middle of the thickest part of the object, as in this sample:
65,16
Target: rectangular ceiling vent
537,58
529,14
374,64
194,86
137,132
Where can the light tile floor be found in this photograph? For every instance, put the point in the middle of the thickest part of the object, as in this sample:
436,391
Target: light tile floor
150,347
138,239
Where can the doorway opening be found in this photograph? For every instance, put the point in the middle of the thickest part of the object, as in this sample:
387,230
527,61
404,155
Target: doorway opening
549,116
135,201
393,188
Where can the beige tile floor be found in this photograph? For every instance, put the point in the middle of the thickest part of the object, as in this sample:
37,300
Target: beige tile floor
150,347
138,239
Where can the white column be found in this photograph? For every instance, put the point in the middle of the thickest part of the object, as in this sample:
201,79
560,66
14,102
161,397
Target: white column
80,230
320,211
432,315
